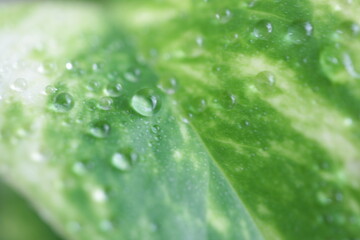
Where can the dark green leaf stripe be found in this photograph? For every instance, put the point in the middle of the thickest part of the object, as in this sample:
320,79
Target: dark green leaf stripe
185,119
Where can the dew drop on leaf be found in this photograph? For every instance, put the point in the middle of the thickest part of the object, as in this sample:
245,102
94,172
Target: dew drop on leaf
99,195
347,30
63,102
121,161
50,90
93,86
19,85
265,81
79,168
105,103
113,89
155,128
106,225
299,32
146,102
100,129
339,65
263,29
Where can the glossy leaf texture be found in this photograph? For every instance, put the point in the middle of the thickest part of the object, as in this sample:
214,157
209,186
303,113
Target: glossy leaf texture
185,119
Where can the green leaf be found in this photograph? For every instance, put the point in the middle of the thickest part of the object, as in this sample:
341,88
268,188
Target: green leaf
18,220
185,119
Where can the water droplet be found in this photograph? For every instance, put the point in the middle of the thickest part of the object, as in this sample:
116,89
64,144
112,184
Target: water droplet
347,30
69,66
263,29
224,16
133,74
155,128
100,129
97,67
105,103
338,65
299,32
199,41
265,81
63,102
19,85
121,162
74,226
79,168
50,90
93,86
47,68
37,157
106,225
323,198
168,86
146,102
99,195
227,100
113,89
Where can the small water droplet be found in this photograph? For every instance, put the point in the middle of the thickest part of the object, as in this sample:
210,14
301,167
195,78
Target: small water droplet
265,81
105,103
79,168
19,85
93,86
47,68
113,89
121,161
146,102
99,195
347,30
168,86
323,198
63,102
50,90
338,65
155,128
299,32
97,67
106,225
263,29
100,129
74,226
133,74
69,66
199,41
37,157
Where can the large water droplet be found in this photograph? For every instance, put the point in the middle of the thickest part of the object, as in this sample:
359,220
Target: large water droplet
63,102
146,102
113,89
263,29
100,129
299,32
19,85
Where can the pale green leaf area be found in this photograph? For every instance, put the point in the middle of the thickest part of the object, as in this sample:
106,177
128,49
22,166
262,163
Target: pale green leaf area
183,119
